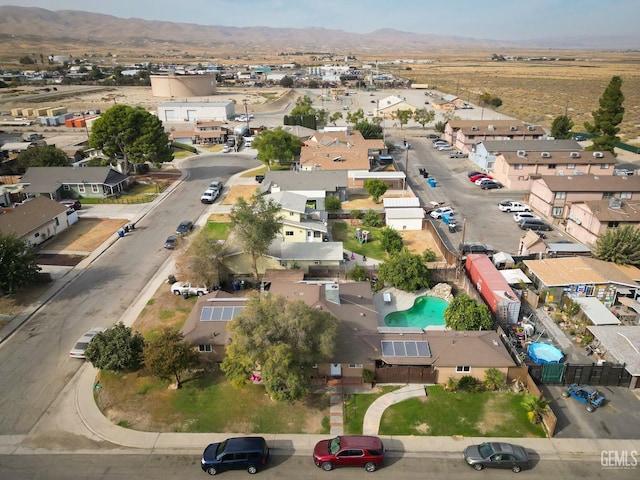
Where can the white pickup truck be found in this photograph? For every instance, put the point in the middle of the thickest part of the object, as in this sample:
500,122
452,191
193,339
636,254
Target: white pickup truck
189,289
511,206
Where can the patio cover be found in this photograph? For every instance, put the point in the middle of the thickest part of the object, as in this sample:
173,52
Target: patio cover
630,302
596,312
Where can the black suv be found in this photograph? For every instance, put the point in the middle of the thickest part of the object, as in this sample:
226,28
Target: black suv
185,228
237,453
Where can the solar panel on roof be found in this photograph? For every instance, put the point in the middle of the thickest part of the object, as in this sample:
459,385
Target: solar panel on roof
405,348
219,314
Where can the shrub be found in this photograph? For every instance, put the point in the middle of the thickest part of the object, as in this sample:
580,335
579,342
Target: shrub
429,255
332,204
184,146
368,376
469,383
358,273
372,219
452,383
355,214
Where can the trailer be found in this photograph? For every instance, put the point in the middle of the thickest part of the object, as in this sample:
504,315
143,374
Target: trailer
493,288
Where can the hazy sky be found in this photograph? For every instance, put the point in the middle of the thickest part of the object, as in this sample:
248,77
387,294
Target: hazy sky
495,19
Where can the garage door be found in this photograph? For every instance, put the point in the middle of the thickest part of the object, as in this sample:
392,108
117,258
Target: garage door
169,115
192,116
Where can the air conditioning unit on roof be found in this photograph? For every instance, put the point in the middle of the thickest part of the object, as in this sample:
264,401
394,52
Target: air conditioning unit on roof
491,127
513,128
575,154
545,155
598,154
522,153
475,129
531,128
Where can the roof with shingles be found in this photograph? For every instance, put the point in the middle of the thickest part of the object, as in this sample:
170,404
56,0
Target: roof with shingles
30,216
629,211
561,158
338,151
496,127
557,272
503,146
300,180
49,179
591,183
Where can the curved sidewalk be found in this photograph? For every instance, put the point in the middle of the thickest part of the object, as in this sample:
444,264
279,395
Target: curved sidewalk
371,422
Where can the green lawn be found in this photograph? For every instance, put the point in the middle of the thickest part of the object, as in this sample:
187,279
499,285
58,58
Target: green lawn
355,407
342,232
483,414
219,230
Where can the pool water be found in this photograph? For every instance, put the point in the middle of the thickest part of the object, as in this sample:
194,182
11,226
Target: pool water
425,312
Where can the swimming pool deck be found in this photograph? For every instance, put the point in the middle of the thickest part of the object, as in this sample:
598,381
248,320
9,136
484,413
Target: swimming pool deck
400,300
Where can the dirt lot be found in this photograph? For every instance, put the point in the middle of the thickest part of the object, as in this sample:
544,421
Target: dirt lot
84,236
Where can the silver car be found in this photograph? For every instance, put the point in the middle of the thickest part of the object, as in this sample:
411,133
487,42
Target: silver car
83,342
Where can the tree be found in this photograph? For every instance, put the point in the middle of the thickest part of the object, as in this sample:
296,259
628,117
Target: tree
282,338
42,157
561,127
465,313
202,262
369,130
402,116
169,356
439,126
607,118
304,106
536,407
257,223
332,203
334,117
355,117
18,266
286,82
26,60
390,240
429,255
376,188
406,271
620,246
424,116
132,133
493,378
371,219
117,349
276,145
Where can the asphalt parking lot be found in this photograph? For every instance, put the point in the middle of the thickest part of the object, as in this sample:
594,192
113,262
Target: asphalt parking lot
618,418
477,214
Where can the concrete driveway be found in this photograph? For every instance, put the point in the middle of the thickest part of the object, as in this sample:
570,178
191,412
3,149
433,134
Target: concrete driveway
619,418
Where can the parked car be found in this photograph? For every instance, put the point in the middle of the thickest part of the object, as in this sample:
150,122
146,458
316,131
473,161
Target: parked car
476,248
185,228
445,148
473,173
75,204
241,118
490,185
349,451
592,398
519,216
535,225
171,242
188,289
478,177
497,455
579,138
433,136
78,350
226,149
511,206
437,143
238,453
209,196
215,185
438,212
482,180
458,155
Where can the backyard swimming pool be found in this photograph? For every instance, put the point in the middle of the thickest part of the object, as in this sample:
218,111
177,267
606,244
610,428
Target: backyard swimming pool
425,312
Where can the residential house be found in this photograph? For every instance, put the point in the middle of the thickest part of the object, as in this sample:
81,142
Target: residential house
553,196
314,185
58,183
34,221
588,221
448,102
212,132
300,223
515,162
465,134
532,244
389,106
620,344
583,277
339,150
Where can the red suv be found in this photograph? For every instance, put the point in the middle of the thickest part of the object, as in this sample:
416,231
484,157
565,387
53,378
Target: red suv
349,451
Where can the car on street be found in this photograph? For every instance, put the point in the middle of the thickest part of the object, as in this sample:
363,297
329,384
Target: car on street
438,212
497,455
458,155
512,206
78,350
241,118
75,204
591,397
519,216
185,228
171,242
237,453
226,149
349,451
490,185
215,185
209,196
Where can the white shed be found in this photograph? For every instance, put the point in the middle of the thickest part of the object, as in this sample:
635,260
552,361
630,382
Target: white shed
404,218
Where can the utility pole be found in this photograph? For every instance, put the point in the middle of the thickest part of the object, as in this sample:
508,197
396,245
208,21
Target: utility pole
460,252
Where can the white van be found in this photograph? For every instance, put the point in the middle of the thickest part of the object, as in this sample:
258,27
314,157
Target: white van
246,141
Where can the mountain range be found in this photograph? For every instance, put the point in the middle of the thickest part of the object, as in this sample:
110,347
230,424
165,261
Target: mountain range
98,29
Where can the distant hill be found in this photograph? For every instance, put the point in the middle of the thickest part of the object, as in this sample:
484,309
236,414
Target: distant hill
94,28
